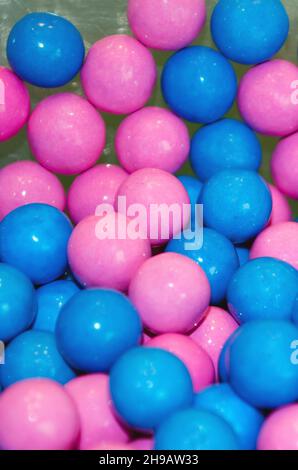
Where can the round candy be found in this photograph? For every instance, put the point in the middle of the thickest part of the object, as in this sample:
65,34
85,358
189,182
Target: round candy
265,98
152,138
119,74
14,104
192,84
95,327
279,432
193,187
281,210
99,185
143,444
34,238
237,203
249,32
38,414
284,166
66,134
242,252
245,420
18,303
45,49
112,446
167,25
103,253
34,354
98,423
224,145
171,293
149,384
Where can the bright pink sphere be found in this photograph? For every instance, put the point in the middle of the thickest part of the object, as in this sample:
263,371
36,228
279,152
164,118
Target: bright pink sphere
66,134
143,444
38,414
281,210
152,138
112,446
99,185
266,98
278,241
92,398
284,165
168,25
171,293
14,104
25,182
100,258
119,74
280,430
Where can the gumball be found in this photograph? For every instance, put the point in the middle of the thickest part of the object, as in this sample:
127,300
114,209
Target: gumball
112,446
245,420
223,360
45,49
119,74
147,385
224,145
167,25
152,138
96,186
284,166
95,327
38,414
243,253
143,444
265,98
66,134
194,429
34,238
237,203
177,301
34,354
14,104
193,188
279,432
199,84
50,300
18,302
249,32
102,251
281,210
98,423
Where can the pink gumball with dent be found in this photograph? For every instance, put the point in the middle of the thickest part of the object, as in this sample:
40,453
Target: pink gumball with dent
91,396
66,134
119,74
96,186
152,138
168,25
267,100
26,182
284,165
14,104
143,444
102,253
197,361
280,430
281,210
171,293
38,414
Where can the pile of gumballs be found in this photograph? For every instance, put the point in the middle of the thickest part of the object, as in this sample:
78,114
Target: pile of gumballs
139,344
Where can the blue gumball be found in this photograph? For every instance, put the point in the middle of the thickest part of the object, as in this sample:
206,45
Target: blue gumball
249,32
147,385
45,49
243,254
193,187
34,239
199,84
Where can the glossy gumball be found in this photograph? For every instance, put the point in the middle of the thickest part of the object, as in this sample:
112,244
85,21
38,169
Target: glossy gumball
279,432
45,49
193,187
281,210
284,166
243,254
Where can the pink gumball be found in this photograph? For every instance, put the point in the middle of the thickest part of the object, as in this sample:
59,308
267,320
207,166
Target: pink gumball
152,138
112,446
171,293
119,74
197,361
14,104
278,241
281,210
38,414
280,430
143,444
284,165
102,253
26,182
168,25
267,100
99,185
91,395
66,134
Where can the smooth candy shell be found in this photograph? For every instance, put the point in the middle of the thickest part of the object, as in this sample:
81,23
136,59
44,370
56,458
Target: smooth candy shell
280,432
284,166
281,210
